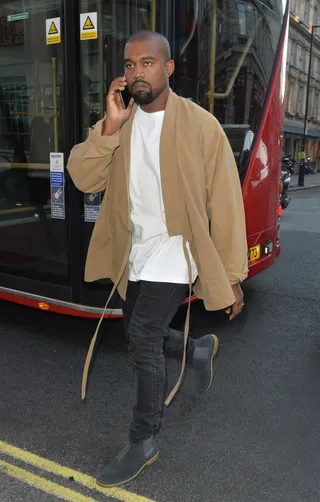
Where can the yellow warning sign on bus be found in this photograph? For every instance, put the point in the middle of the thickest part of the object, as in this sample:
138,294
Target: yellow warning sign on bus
53,31
88,25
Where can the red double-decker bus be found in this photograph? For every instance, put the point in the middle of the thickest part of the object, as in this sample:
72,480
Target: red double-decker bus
57,60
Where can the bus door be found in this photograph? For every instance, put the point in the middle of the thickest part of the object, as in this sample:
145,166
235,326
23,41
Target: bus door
103,36
33,237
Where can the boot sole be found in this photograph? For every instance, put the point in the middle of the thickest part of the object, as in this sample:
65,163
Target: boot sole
214,353
148,463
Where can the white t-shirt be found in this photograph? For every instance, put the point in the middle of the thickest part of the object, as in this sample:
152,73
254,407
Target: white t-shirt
155,256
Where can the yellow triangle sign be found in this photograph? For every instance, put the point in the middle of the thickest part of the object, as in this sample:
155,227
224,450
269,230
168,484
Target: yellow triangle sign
88,25
53,29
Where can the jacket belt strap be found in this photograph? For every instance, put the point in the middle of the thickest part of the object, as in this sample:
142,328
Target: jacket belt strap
185,337
92,344
186,329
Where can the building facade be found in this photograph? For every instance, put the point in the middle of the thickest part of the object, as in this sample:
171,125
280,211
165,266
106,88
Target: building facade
304,14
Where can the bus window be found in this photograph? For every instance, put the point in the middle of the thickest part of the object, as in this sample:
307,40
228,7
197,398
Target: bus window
31,126
102,59
225,52
102,62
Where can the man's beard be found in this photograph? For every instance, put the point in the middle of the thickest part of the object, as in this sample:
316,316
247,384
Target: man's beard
143,97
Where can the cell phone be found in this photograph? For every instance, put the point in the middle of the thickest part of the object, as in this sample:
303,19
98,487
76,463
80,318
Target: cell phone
125,97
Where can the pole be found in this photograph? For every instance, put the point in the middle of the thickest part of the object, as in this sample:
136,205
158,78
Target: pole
153,15
302,164
102,105
212,55
36,84
54,103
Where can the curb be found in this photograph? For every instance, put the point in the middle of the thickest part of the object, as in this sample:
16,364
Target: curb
298,189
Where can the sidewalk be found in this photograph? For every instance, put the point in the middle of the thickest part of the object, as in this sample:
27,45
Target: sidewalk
310,181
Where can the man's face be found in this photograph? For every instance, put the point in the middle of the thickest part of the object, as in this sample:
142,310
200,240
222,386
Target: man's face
147,70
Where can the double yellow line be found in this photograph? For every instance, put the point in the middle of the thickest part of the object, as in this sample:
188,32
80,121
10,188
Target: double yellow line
56,489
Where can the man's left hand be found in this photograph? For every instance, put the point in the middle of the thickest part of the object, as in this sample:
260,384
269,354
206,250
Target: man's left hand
238,305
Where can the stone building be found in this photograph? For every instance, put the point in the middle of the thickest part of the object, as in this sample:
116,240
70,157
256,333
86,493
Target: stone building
304,14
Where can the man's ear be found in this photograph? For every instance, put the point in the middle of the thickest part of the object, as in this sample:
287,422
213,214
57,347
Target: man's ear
170,67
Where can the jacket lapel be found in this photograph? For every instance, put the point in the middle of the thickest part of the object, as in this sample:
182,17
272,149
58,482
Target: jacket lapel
126,145
171,193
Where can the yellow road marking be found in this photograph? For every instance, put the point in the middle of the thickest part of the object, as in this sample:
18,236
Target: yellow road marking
66,472
43,484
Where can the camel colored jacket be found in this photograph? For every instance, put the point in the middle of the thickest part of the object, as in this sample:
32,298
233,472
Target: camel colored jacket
201,192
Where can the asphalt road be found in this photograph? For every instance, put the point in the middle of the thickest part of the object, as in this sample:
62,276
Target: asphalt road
255,437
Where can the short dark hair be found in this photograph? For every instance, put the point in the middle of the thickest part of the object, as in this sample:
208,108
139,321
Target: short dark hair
141,35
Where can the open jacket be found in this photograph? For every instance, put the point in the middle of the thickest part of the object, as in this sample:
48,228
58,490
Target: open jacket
201,192
202,201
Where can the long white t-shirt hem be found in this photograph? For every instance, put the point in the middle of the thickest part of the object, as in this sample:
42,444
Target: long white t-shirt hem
155,256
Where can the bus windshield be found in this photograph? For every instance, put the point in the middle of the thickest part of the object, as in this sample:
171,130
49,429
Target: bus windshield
225,52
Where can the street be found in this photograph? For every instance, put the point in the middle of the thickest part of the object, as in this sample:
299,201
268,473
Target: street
254,438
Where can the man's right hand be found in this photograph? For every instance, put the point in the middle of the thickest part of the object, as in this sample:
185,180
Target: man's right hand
117,115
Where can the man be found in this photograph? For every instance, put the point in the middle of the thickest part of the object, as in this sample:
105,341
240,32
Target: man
172,216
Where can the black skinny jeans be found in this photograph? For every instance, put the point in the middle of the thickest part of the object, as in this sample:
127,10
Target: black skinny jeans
148,310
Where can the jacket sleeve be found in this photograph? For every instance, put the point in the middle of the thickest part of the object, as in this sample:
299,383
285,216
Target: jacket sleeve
89,162
225,205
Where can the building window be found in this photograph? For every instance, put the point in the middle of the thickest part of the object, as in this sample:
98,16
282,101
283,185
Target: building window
291,97
242,18
287,146
306,13
316,107
300,100
289,53
299,57
311,104
305,62
315,67
296,8
293,55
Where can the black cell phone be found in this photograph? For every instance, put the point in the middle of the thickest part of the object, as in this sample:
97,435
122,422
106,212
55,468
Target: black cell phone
125,97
